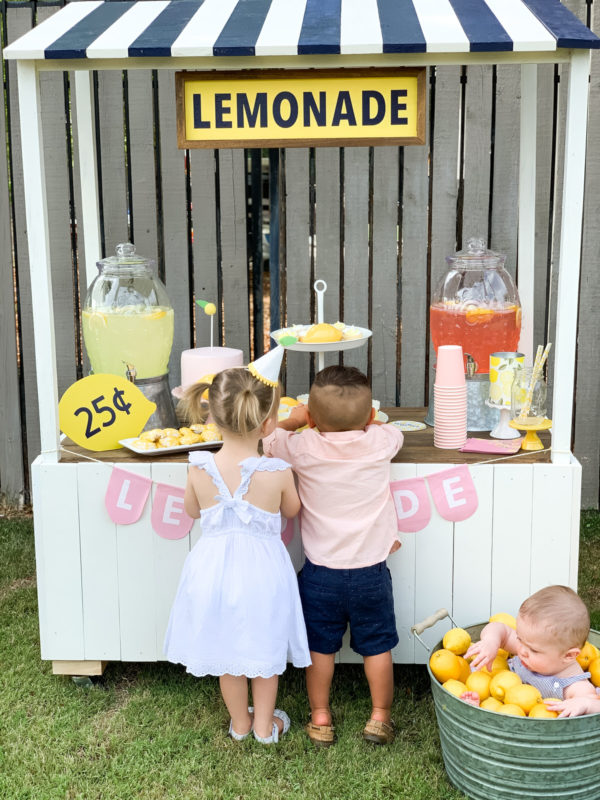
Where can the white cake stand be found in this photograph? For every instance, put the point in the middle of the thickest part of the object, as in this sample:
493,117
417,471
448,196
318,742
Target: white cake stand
321,348
503,429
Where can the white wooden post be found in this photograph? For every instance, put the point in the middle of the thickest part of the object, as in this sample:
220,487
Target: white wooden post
570,257
526,233
38,240
86,138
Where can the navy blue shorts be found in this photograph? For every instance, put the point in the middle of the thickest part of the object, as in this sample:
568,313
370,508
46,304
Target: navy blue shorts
332,598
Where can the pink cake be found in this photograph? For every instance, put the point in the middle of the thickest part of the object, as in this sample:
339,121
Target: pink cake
201,361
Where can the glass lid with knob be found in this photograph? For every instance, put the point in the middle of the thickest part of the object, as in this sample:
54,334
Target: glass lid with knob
127,318
476,305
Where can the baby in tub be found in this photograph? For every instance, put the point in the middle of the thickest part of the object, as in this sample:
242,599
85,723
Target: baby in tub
552,627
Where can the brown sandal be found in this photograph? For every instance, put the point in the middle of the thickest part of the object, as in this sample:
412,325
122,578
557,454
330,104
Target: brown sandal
379,732
320,735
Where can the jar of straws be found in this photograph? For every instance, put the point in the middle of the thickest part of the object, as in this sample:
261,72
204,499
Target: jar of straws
528,401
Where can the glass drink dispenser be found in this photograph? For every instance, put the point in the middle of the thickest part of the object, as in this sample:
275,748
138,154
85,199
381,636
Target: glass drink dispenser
127,323
476,305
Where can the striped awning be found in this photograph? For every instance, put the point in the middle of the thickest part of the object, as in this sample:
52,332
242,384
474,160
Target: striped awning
111,29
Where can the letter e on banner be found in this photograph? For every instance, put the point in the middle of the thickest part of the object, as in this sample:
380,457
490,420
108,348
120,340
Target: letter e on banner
454,493
126,496
169,519
413,510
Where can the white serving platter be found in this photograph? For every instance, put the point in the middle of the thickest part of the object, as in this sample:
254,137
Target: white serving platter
321,347
159,451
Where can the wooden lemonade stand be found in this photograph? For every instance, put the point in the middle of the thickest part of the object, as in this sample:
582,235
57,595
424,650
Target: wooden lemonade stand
105,590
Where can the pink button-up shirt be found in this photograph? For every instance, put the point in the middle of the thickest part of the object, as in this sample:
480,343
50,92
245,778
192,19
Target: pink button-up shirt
348,518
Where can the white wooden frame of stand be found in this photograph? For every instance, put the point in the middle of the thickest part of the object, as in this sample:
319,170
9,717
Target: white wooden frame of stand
105,592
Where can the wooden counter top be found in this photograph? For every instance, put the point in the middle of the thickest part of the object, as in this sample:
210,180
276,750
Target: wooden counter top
418,448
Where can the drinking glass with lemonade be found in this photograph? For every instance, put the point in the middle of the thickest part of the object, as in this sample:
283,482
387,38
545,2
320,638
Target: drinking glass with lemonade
127,318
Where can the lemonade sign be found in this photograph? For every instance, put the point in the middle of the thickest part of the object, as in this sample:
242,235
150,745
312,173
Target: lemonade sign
97,411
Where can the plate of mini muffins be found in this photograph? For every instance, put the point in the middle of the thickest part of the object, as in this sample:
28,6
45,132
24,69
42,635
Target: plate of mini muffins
158,441
322,337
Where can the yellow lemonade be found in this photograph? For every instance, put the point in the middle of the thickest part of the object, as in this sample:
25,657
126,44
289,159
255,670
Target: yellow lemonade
140,336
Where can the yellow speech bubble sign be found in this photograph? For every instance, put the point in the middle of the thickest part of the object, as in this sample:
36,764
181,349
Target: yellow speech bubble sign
97,411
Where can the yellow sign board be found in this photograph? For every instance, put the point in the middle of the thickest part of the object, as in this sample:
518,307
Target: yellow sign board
301,108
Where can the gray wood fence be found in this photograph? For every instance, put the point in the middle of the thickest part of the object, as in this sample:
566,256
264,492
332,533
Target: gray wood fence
375,223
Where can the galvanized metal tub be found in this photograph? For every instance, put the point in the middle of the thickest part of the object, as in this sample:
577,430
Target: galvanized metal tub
490,756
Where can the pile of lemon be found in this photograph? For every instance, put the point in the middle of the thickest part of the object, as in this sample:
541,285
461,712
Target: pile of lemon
499,689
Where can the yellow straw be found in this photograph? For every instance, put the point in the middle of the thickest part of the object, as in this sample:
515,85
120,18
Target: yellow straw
538,365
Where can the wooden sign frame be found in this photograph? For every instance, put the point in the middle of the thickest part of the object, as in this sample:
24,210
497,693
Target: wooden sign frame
312,77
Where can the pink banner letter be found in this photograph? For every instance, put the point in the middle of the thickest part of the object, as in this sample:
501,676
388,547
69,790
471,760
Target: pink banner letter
453,493
169,519
126,496
413,510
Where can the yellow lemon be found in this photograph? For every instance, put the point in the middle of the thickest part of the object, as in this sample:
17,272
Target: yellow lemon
507,619
289,401
594,668
499,664
523,695
539,711
501,682
479,682
454,687
97,320
457,641
587,654
502,654
491,704
444,665
465,669
512,709
157,314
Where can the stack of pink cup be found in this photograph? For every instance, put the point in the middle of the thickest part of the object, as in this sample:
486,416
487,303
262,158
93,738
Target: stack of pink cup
450,398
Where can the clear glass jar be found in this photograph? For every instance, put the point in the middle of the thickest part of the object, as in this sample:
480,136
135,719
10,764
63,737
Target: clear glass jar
127,318
476,305
528,397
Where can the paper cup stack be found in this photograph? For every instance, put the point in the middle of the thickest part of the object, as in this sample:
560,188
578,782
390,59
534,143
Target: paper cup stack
450,398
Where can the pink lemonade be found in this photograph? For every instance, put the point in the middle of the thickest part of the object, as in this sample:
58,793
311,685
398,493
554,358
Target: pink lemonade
479,330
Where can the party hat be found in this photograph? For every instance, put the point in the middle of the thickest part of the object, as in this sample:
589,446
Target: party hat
267,367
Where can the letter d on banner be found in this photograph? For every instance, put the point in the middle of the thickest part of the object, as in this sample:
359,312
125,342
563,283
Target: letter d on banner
169,519
411,500
126,496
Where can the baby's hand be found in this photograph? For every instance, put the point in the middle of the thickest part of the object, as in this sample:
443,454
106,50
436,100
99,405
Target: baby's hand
576,706
297,418
396,546
483,654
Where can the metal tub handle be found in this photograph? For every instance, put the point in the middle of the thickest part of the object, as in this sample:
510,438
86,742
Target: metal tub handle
429,622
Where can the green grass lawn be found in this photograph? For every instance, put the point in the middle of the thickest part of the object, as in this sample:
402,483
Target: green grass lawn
150,731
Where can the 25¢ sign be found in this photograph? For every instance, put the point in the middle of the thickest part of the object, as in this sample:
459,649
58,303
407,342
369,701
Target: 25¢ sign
97,411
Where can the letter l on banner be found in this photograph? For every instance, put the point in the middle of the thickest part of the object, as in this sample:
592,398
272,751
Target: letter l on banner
126,496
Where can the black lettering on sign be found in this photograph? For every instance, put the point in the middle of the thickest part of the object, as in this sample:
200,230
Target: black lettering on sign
367,117
252,113
289,98
396,107
221,110
344,111
198,121
319,112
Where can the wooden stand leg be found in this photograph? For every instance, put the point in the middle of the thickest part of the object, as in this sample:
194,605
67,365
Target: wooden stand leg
78,667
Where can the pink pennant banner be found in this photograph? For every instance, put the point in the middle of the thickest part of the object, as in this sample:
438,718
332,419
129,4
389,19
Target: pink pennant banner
413,510
287,530
126,496
453,493
169,519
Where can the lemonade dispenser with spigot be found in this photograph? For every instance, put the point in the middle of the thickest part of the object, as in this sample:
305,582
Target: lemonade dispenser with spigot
127,322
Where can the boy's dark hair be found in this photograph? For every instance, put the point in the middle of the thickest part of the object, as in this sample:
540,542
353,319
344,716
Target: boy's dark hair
341,376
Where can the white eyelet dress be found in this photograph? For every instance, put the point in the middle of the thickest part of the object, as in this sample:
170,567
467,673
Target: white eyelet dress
237,609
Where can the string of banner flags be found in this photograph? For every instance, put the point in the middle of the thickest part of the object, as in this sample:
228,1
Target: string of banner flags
452,491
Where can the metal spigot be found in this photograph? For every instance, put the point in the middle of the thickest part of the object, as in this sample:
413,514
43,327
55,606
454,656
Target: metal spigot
471,365
130,372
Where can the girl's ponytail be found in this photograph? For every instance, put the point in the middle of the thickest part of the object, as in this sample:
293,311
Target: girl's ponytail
192,408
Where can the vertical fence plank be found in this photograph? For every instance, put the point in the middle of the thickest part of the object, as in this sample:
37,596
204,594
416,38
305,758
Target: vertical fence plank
12,479
414,279
18,23
356,248
327,224
142,162
297,261
234,259
587,387
174,223
384,305
204,247
113,185
478,114
504,222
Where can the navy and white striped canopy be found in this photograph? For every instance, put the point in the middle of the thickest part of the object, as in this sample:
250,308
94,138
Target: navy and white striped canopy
200,28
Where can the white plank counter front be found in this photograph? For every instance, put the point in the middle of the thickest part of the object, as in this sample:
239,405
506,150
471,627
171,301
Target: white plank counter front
105,590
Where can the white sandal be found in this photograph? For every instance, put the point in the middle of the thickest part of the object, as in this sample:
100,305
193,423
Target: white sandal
239,737
275,733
